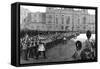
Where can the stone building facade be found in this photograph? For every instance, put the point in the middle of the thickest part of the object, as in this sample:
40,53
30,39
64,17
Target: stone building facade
67,19
60,19
35,21
23,14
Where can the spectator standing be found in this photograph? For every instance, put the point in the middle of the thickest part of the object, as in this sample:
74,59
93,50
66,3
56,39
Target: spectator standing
88,51
77,53
25,48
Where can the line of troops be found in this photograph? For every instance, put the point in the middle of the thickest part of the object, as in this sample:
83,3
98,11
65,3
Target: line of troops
31,47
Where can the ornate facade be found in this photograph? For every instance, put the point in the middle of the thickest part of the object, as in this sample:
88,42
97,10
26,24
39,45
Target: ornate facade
61,19
67,19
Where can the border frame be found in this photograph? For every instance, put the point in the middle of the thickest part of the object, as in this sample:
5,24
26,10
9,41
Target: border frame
18,4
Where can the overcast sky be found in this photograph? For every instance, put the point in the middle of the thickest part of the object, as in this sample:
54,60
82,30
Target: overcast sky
43,9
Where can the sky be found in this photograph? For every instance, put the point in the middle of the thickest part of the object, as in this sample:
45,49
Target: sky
43,9
35,8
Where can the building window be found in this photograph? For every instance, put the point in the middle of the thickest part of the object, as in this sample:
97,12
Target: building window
35,21
50,18
66,27
56,20
34,15
25,20
43,18
56,26
62,19
49,21
84,20
68,20
62,27
38,27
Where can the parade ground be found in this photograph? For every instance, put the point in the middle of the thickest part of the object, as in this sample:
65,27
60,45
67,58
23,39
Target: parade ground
61,52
